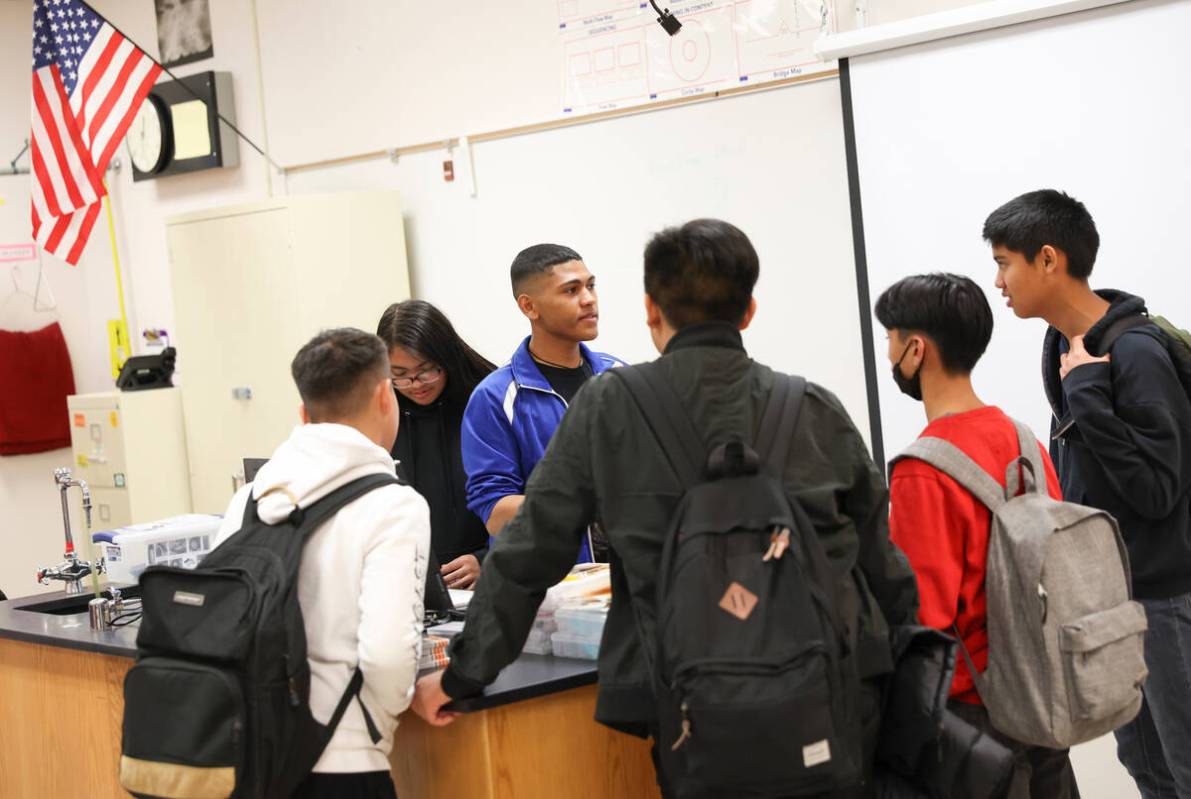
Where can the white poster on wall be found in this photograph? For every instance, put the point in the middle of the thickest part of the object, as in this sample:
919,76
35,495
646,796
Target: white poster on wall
616,55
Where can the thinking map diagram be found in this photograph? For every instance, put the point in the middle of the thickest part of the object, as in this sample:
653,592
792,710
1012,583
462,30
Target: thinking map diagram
616,55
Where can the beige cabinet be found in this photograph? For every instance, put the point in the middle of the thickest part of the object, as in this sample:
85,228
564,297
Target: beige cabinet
251,285
130,448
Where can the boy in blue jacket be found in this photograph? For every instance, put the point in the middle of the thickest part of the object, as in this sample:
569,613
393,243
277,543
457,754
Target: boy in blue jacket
515,410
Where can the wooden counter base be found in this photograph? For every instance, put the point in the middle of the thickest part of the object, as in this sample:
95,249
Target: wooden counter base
537,749
61,712
60,716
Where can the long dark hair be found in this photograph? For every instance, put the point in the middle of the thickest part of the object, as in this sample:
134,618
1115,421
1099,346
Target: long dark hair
419,327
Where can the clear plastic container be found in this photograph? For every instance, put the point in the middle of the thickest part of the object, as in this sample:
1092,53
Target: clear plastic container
574,646
585,579
585,620
538,643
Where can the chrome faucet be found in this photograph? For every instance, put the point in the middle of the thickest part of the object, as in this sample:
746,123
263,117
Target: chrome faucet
71,570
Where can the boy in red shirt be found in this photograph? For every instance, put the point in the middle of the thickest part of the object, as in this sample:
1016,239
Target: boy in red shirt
938,327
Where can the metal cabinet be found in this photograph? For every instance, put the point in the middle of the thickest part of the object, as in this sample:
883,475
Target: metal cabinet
253,283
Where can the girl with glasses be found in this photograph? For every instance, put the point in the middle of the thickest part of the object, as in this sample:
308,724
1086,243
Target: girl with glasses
434,372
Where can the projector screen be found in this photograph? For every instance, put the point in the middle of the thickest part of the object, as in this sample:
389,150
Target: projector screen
1096,104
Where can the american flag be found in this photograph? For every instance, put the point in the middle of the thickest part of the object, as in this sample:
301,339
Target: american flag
88,84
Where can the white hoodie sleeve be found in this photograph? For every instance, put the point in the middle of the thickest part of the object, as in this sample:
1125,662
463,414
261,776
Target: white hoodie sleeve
233,517
390,601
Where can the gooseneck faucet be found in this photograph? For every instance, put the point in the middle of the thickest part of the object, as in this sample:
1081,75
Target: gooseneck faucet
71,570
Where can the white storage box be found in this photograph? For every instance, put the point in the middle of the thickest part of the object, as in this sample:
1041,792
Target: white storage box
583,619
177,541
574,646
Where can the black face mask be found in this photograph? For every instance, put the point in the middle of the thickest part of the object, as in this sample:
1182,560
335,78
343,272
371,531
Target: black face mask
910,386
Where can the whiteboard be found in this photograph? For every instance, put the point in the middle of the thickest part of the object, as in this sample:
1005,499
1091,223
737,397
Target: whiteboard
771,163
345,79
1093,103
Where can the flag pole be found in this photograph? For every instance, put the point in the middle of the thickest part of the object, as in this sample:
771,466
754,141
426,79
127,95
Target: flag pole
187,89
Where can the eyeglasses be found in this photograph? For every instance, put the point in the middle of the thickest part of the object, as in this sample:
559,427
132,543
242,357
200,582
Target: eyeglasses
425,377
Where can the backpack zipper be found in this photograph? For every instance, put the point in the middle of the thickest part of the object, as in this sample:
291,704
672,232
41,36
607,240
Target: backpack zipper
757,668
686,728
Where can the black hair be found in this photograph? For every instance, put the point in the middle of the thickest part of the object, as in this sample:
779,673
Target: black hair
702,271
1027,223
537,260
336,370
419,327
950,309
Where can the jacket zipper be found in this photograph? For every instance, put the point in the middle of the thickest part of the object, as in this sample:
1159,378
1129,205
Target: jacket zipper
551,392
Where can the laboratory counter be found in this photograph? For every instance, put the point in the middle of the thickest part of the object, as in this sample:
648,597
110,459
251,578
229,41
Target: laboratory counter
530,734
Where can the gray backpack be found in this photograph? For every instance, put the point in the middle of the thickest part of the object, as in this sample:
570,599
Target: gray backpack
1065,660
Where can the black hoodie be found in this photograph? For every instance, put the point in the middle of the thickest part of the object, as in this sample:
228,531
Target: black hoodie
1121,441
430,460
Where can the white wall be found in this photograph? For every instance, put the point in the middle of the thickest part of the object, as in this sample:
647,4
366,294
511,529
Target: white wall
420,73
605,187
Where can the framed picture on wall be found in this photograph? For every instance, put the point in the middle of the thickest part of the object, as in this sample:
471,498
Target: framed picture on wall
183,31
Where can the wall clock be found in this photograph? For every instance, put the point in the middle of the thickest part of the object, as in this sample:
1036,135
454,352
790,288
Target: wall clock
178,129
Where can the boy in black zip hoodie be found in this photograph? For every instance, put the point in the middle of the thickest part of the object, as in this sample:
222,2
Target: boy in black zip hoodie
1120,441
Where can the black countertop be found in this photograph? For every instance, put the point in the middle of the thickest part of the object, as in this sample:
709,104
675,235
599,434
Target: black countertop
70,631
529,677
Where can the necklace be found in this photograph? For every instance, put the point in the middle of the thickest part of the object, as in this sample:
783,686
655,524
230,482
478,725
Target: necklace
551,363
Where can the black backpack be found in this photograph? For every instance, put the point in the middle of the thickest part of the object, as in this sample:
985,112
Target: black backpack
755,691
217,704
1177,341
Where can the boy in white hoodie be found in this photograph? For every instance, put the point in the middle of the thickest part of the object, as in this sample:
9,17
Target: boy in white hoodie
362,574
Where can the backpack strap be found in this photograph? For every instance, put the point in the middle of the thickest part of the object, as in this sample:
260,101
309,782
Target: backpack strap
667,419
956,464
1120,327
353,692
977,677
778,421
309,518
1032,473
773,448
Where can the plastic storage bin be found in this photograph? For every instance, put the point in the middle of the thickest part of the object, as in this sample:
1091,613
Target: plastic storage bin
178,541
538,642
585,620
574,646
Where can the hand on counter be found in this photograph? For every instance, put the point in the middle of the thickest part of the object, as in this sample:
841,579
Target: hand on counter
429,699
461,572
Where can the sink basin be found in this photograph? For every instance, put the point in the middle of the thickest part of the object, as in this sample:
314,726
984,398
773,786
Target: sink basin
70,605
